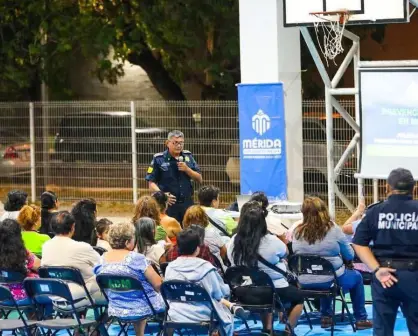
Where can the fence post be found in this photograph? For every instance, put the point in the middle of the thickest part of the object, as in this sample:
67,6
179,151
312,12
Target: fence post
134,154
32,151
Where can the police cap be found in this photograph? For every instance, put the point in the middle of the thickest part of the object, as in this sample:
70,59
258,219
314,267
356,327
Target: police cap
401,179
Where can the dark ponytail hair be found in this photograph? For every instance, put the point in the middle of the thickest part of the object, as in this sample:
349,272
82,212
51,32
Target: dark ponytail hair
48,201
161,199
101,227
262,199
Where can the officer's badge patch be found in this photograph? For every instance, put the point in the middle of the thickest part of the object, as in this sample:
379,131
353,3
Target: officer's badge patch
150,170
187,159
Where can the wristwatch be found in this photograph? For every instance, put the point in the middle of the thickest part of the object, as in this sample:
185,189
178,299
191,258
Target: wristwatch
375,270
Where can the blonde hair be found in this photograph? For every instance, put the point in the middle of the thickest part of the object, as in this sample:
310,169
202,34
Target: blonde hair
147,206
30,217
316,221
119,234
195,215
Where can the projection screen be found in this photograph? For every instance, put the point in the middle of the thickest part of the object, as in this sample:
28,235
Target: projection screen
389,121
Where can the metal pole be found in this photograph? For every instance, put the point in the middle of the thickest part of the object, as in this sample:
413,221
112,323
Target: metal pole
356,60
134,154
344,65
330,153
32,151
388,64
343,91
375,190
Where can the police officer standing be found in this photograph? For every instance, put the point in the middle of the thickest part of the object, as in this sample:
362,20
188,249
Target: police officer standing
392,228
172,171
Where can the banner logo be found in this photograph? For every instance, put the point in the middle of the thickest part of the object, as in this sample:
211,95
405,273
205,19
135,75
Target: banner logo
261,122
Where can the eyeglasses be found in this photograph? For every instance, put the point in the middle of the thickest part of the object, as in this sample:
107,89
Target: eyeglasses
178,143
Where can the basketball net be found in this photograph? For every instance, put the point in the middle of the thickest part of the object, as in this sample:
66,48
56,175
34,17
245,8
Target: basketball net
332,28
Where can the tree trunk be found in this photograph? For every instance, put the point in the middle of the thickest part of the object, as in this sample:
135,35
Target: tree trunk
157,74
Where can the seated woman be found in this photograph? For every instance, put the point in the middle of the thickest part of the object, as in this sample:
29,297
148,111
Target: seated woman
101,234
146,243
121,260
84,213
170,224
30,220
189,267
252,240
274,225
49,206
15,201
62,250
197,215
320,236
204,251
15,257
148,207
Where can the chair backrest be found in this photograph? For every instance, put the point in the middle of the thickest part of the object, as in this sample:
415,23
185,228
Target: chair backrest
122,284
308,264
184,291
238,275
99,250
64,273
7,276
38,288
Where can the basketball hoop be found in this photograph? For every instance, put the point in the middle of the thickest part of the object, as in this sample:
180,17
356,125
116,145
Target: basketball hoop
332,24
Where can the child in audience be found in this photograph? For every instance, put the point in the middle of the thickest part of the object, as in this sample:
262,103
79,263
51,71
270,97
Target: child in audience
146,243
30,220
101,234
49,206
189,267
170,224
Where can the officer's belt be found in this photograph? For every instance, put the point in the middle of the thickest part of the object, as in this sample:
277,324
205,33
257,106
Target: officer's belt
399,264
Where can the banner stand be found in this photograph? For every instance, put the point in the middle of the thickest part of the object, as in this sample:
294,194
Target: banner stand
262,139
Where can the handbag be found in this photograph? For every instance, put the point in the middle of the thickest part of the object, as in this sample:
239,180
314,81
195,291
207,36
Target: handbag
289,276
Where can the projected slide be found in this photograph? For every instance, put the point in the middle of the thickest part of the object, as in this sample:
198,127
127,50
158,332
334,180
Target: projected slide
389,121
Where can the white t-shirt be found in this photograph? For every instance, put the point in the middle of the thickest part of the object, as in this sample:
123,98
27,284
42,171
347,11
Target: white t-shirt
9,215
154,253
103,244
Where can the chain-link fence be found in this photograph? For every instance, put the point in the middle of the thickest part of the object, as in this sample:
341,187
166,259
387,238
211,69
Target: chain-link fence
85,149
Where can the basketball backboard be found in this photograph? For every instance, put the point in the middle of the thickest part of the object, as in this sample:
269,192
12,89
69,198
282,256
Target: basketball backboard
297,12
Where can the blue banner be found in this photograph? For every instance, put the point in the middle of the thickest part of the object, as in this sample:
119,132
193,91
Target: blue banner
262,139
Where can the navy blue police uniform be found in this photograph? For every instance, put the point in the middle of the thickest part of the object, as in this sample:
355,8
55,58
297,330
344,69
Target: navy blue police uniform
392,228
165,173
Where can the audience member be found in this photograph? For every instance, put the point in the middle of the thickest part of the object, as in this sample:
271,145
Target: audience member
148,207
121,260
209,201
16,199
196,215
170,224
274,224
253,240
101,234
146,243
30,220
190,268
350,226
49,206
62,250
204,251
318,235
15,257
84,213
